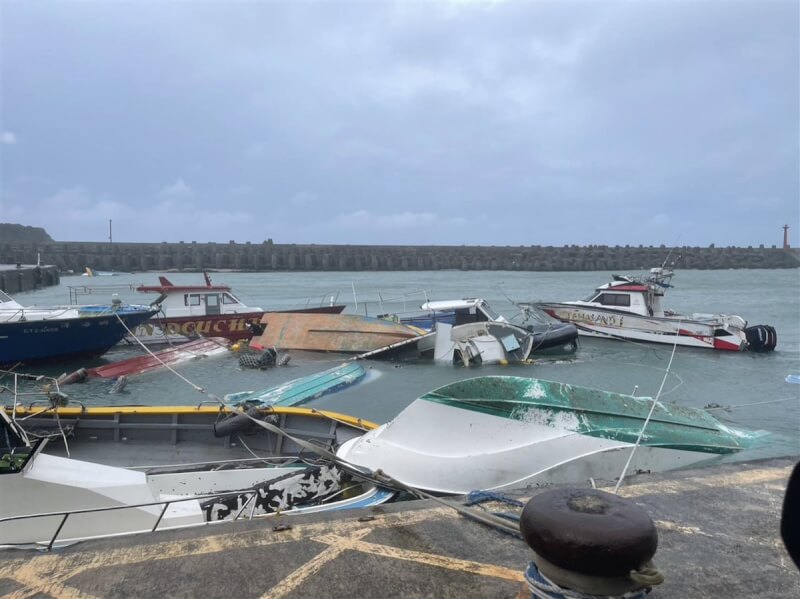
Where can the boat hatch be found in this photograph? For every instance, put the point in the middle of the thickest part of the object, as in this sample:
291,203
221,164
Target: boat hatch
510,343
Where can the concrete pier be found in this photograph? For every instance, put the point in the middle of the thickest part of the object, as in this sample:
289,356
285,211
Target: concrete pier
269,256
16,278
718,537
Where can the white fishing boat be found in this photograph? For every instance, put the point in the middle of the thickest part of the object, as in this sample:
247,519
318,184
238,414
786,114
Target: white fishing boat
500,433
482,343
476,311
630,308
470,344
207,310
74,473
469,332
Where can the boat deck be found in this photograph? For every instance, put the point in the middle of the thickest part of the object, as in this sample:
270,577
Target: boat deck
718,537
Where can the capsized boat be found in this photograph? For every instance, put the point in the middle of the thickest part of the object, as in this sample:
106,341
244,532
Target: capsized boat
552,336
204,347
346,333
208,310
90,272
302,390
124,470
630,308
502,432
478,343
36,334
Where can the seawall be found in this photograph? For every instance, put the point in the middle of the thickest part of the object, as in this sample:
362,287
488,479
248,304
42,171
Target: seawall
269,256
17,278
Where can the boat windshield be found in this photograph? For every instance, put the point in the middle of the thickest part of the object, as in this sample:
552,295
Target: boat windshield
4,298
591,297
489,312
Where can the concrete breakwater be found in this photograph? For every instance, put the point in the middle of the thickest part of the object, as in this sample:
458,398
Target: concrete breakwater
15,279
290,257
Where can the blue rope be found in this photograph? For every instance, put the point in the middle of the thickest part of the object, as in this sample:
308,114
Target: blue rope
477,497
542,587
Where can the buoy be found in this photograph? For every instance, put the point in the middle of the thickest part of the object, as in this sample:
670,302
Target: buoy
78,376
119,385
591,541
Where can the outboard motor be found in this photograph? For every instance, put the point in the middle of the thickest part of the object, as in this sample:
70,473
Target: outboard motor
761,338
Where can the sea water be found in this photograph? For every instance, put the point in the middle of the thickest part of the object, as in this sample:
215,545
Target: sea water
751,387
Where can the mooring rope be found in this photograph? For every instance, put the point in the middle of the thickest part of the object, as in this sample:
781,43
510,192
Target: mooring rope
647,420
377,477
541,587
745,405
160,361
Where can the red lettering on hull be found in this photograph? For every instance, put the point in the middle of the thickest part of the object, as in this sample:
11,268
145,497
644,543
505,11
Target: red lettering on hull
233,327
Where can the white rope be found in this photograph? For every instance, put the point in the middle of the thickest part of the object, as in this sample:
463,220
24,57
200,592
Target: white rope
160,361
647,420
547,589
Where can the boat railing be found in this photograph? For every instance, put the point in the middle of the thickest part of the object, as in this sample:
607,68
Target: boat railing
65,514
394,304
78,291
50,388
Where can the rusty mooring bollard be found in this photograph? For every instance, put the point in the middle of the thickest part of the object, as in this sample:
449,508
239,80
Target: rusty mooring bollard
588,543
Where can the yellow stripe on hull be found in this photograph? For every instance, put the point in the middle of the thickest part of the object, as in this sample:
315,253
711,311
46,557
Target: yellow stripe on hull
74,411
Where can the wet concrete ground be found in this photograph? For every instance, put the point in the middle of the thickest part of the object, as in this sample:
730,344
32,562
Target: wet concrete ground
718,537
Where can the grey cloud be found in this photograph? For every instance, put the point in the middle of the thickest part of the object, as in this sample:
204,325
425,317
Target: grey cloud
609,122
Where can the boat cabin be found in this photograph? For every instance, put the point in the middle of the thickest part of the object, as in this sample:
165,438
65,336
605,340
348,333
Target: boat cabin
467,310
628,294
9,309
195,300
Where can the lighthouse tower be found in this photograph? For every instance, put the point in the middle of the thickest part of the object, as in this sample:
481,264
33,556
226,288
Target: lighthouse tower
786,237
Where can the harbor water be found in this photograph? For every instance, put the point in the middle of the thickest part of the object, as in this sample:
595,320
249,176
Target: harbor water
750,387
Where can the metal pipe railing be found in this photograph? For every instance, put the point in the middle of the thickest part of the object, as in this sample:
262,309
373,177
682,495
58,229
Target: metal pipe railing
251,494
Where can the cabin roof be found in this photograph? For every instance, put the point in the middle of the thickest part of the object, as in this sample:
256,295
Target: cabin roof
459,304
623,287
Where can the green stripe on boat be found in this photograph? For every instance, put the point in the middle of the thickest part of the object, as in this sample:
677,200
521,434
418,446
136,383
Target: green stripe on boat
304,389
589,412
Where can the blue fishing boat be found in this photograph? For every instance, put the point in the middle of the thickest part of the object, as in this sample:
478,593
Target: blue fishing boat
302,390
35,334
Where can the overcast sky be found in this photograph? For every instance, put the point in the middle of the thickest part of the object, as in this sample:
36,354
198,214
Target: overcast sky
460,122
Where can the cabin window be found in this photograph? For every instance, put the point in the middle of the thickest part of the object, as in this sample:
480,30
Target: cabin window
212,300
191,300
465,316
612,299
227,298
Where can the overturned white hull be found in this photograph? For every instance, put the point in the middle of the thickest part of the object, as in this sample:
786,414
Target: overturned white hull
508,432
